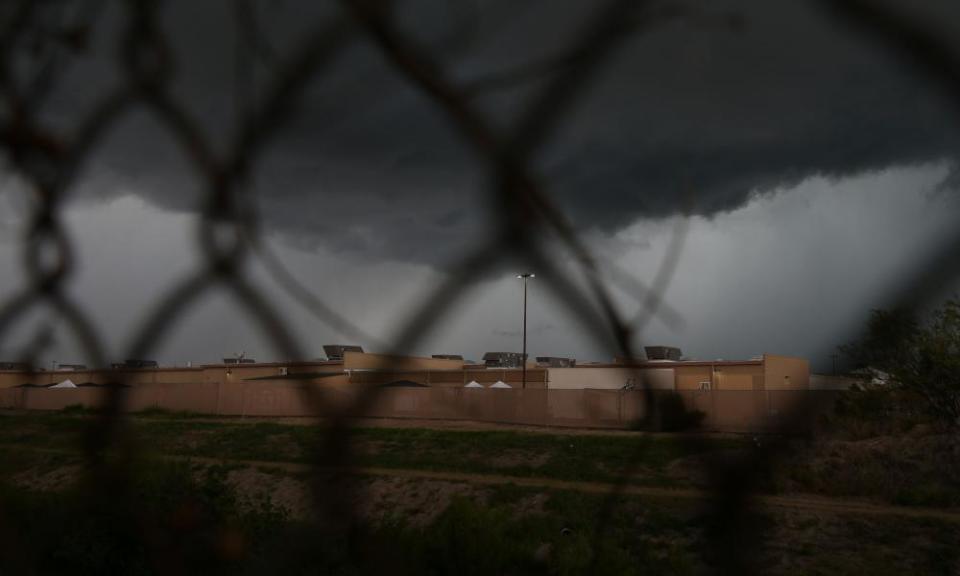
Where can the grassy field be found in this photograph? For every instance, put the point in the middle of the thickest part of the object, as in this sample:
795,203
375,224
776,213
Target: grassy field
188,503
647,458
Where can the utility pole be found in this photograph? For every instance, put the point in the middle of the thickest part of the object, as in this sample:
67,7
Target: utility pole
523,359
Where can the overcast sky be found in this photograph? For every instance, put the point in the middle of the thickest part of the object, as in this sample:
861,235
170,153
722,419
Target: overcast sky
813,171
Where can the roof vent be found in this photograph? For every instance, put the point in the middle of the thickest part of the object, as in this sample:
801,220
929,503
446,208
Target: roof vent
662,352
336,351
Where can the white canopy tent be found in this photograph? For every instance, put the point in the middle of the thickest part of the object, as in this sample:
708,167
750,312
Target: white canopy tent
474,384
500,384
65,384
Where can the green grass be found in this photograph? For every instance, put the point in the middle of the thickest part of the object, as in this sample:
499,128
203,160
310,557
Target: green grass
176,517
649,459
168,516
159,515
474,539
77,409
189,515
157,412
531,454
162,512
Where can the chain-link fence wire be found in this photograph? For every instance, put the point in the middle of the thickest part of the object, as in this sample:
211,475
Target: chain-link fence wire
529,226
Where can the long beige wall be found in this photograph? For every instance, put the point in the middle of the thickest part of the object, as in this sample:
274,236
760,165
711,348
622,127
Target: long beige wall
368,361
609,378
535,377
741,411
206,373
11,379
775,373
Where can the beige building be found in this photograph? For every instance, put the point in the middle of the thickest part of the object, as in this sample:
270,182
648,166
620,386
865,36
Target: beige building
224,373
379,369
769,372
750,395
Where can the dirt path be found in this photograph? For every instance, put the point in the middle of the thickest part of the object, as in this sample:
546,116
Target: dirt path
804,503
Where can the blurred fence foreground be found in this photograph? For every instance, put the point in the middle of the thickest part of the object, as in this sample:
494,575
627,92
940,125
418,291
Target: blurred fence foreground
38,39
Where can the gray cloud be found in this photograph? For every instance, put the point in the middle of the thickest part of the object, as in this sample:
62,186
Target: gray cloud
794,272
692,115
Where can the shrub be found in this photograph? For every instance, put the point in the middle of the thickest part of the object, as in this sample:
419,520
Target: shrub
920,359
869,410
672,415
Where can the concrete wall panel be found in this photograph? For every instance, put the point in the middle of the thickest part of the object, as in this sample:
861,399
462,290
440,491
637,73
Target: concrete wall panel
786,373
725,410
11,398
738,377
692,377
367,361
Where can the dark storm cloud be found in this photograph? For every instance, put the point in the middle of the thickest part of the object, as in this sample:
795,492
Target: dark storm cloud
695,113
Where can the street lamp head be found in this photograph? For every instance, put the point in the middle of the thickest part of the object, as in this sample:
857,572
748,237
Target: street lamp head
527,275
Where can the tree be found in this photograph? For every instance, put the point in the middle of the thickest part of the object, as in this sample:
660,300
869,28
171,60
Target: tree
922,359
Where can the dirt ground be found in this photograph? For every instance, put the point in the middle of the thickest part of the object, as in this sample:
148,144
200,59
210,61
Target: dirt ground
44,478
256,488
415,497
377,499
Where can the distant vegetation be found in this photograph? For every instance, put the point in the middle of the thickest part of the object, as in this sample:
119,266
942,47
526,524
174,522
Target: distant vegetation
911,369
896,436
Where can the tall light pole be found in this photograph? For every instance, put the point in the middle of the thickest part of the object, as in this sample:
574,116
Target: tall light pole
523,359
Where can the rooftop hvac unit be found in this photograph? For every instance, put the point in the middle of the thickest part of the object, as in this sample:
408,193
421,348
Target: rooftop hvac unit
555,362
503,359
662,352
136,363
336,351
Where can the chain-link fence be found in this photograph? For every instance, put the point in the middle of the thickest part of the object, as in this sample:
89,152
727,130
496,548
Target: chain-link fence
528,225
